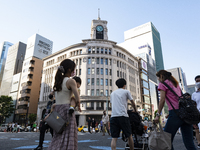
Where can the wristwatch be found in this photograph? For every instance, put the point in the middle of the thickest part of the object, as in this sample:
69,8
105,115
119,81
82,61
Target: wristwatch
157,114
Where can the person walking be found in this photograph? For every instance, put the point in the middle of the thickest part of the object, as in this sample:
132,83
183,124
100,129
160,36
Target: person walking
43,127
105,121
89,124
174,121
93,125
196,98
64,86
119,118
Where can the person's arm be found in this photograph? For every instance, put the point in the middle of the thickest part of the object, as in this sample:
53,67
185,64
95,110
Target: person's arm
161,104
71,84
133,105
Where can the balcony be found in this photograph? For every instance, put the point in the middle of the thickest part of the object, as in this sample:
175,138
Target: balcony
21,111
22,103
99,108
31,70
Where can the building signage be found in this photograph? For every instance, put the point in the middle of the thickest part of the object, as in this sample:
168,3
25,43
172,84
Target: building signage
143,46
143,65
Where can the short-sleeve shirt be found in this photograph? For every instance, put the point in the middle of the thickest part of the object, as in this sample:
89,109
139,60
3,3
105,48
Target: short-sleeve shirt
119,99
196,98
171,96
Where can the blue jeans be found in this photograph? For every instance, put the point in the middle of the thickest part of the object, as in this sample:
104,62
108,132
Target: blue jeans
173,124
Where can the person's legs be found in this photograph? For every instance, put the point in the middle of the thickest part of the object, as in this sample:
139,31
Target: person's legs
187,136
89,129
130,142
172,125
104,129
107,128
41,140
113,143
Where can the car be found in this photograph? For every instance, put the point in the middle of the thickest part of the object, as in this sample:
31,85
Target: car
3,127
84,128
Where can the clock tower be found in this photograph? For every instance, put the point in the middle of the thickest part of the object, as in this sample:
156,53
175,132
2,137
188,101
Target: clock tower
99,29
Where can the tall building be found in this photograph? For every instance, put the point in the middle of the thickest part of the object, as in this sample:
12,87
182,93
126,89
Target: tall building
13,66
144,38
38,47
179,75
3,55
100,62
191,89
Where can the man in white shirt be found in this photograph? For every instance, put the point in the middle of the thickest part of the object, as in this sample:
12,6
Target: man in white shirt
119,117
196,98
105,120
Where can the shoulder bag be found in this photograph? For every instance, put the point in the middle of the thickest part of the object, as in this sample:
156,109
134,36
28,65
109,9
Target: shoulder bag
187,107
159,140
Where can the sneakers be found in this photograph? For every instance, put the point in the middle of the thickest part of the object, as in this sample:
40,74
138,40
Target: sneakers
198,146
38,148
71,110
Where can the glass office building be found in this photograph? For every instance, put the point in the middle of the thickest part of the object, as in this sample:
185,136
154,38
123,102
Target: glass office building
3,55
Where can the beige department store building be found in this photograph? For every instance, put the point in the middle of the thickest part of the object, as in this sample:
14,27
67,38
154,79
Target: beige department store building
100,62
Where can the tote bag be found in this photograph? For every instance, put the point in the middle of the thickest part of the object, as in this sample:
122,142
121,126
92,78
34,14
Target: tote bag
159,140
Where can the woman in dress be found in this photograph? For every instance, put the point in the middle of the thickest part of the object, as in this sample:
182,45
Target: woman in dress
174,121
64,86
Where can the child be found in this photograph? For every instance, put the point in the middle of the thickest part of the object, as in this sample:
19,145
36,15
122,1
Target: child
73,103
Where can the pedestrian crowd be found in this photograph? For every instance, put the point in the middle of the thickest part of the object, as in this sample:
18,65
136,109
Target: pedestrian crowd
65,99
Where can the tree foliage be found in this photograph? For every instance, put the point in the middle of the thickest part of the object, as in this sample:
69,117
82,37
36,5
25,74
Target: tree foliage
6,106
32,118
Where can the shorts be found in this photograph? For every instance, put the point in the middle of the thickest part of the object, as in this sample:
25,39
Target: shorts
120,123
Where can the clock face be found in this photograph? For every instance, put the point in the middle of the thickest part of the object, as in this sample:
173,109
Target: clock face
99,28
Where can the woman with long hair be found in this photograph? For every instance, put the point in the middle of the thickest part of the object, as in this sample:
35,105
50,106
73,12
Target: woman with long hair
174,121
64,86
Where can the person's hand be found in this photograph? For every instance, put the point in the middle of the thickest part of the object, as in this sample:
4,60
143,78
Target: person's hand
156,120
46,117
167,116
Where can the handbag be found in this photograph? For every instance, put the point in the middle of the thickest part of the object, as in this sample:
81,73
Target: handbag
187,107
56,122
159,140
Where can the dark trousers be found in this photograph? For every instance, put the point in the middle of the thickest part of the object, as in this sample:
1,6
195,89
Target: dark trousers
42,133
173,124
89,129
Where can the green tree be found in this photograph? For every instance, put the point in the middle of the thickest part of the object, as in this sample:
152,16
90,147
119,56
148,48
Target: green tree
32,118
6,107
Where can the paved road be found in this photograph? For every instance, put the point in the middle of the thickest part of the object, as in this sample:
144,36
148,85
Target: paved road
86,141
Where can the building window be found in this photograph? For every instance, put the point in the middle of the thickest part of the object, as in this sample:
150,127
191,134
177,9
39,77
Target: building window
98,60
110,82
106,71
101,71
120,74
92,81
79,72
76,61
117,73
110,51
93,60
117,63
106,61
110,91
80,61
89,50
101,93
106,92
110,72
102,61
97,71
88,70
80,51
97,92
117,53
88,92
97,81
88,81
93,50
77,52
97,50
106,51
120,65
76,72
101,81
92,92
106,82
92,70
110,61
89,60
101,50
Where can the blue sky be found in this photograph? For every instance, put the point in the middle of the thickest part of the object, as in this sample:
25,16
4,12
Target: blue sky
67,22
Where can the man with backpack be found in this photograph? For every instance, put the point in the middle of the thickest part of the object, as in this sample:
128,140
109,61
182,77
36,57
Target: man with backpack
196,98
119,117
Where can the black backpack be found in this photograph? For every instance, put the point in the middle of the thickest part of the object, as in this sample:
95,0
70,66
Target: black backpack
187,108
